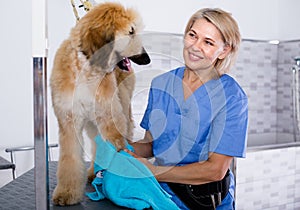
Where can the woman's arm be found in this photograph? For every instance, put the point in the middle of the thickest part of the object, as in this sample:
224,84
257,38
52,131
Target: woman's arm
213,169
143,147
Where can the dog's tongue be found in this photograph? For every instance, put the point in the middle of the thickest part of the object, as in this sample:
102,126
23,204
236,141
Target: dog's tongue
124,64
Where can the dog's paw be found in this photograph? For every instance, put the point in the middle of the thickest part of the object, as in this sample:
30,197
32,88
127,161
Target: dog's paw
91,175
66,197
119,144
91,178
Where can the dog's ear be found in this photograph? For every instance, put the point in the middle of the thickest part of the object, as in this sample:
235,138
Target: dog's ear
98,46
105,57
92,39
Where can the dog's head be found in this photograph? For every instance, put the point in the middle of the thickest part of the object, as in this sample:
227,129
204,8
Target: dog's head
109,37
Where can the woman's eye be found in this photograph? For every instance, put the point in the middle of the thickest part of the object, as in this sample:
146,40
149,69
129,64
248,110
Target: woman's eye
131,32
209,43
192,35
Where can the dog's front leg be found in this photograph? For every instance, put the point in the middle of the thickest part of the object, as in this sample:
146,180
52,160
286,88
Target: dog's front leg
113,125
116,135
91,131
109,114
71,171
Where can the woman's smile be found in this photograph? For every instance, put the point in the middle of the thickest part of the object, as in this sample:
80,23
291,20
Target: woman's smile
195,57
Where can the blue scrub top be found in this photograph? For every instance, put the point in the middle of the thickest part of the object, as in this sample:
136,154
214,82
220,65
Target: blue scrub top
213,119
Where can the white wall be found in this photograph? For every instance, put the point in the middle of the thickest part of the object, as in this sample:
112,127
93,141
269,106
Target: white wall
257,19
15,81
264,20
288,19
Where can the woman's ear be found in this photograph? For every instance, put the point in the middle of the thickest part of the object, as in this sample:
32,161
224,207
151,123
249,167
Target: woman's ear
226,50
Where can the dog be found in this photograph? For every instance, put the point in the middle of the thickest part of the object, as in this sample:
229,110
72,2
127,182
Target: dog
92,83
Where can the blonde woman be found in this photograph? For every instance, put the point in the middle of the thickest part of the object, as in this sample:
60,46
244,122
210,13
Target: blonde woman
197,116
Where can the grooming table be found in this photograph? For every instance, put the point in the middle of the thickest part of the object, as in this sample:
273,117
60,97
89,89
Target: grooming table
20,194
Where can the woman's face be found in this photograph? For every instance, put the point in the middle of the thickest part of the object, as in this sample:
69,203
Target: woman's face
203,45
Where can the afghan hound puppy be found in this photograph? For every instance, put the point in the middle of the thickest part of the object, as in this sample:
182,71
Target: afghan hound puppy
92,83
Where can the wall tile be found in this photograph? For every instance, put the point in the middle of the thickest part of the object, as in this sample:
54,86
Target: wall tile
287,51
257,52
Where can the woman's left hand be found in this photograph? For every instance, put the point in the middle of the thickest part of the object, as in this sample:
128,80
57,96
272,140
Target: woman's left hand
145,161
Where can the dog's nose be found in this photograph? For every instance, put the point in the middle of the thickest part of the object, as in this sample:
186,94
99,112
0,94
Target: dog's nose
142,58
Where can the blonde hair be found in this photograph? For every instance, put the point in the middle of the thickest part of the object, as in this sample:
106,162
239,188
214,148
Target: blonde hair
229,30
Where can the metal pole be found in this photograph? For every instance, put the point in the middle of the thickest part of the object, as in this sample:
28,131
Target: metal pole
39,54
233,170
40,134
296,98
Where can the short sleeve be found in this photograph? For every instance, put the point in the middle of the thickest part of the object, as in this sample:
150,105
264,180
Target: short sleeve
228,133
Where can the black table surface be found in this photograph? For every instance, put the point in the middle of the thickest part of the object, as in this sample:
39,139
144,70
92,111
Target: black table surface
20,194
5,164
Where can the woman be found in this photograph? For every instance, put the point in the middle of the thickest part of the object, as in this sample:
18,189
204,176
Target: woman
196,118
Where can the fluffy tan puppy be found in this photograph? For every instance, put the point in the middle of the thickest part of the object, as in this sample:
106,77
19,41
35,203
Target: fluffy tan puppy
92,84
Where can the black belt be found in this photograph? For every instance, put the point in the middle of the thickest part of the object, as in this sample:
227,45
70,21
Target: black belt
205,196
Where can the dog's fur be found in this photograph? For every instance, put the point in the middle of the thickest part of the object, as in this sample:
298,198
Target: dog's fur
90,91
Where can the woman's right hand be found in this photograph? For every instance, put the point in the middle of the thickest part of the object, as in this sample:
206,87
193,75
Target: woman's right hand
143,147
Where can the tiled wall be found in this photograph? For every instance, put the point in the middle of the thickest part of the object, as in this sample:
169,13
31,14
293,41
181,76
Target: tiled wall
264,71
286,52
256,71
269,180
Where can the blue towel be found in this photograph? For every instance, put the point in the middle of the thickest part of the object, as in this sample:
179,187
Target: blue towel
126,181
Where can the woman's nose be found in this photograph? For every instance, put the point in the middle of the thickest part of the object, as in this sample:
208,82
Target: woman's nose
197,45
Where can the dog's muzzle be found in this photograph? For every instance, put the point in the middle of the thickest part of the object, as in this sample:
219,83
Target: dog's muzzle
140,59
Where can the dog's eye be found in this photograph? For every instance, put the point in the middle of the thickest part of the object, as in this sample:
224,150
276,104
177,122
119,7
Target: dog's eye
131,32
